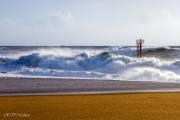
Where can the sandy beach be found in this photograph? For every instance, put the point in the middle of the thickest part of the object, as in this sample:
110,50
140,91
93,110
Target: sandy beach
126,106
80,99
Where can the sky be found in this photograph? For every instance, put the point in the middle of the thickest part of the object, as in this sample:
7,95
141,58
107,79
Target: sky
89,22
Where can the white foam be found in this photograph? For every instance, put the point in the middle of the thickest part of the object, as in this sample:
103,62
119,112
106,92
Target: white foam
115,64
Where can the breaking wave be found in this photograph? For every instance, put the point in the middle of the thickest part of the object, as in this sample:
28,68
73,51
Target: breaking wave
117,63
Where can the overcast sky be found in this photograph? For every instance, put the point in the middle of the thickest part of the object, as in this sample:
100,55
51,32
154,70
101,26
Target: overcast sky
89,22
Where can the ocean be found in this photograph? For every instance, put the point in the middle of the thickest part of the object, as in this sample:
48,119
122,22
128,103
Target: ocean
161,64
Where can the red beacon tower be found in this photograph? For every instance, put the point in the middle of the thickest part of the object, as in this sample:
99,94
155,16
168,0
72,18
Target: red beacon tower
139,44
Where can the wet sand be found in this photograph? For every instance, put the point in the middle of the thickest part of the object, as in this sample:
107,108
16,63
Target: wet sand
60,86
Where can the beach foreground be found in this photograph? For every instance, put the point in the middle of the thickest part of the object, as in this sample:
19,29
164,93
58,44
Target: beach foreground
126,106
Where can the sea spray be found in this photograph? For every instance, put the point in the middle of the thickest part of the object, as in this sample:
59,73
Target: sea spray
117,63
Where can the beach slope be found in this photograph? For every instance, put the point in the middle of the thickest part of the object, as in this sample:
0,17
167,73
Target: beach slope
64,86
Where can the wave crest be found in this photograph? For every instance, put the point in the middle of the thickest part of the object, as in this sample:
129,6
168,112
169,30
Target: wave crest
115,63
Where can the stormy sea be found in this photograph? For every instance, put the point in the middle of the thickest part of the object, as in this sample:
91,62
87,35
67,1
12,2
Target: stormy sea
161,64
